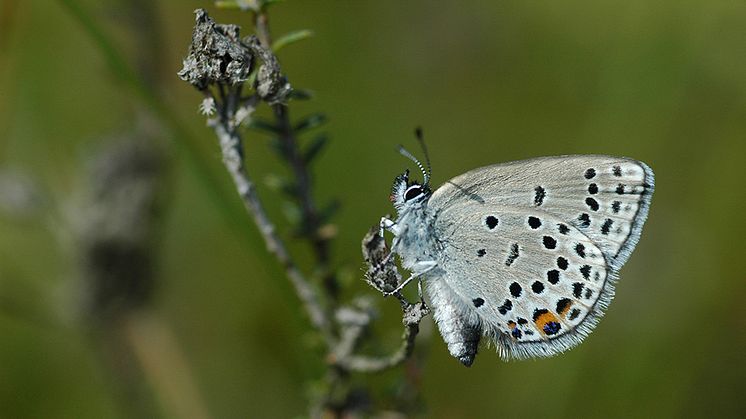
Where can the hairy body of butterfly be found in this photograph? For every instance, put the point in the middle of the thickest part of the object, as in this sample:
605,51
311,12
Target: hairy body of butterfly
525,253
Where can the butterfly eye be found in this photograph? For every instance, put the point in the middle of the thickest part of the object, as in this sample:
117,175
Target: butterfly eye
412,193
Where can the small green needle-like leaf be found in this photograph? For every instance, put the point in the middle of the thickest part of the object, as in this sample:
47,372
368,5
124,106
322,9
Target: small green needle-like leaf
291,38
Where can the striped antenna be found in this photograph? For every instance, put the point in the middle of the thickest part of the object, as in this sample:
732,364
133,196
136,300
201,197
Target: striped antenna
421,140
407,154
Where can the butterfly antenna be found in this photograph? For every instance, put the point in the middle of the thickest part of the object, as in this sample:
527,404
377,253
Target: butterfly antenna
421,140
409,155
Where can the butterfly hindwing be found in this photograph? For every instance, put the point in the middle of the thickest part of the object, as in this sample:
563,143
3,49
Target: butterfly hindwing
536,283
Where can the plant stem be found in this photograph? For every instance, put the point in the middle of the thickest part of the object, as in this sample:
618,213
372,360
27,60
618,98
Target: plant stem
310,216
230,144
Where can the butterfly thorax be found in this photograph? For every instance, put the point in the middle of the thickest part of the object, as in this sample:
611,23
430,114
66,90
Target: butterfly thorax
416,239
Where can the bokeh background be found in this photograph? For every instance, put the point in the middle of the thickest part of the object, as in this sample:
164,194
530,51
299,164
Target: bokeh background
663,82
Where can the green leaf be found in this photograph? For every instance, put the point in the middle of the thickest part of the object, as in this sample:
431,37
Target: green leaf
278,147
300,94
290,38
314,147
239,4
310,121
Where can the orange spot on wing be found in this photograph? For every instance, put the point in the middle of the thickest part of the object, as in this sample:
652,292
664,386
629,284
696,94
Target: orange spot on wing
543,319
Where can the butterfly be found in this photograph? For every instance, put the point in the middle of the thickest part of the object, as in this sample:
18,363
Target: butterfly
525,253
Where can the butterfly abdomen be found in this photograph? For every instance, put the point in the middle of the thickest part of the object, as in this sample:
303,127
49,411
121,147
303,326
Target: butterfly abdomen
460,330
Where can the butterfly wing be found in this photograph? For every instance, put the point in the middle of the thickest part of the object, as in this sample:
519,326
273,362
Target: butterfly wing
605,197
529,255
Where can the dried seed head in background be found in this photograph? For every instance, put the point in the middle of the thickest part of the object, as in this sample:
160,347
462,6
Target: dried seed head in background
216,54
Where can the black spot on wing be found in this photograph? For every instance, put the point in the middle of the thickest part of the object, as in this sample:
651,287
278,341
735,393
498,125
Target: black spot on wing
577,289
616,206
507,306
515,289
491,221
537,287
563,304
513,254
585,220
481,252
563,229
539,195
562,263
549,242
617,170
580,250
592,189
592,203
534,222
606,226
553,276
538,312
590,173
574,313
585,270
552,328
478,302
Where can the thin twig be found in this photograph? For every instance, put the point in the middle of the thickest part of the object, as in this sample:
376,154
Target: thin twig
383,276
309,211
413,314
230,144
310,214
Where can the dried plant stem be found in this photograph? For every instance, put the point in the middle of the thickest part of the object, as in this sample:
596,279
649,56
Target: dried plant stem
413,314
230,145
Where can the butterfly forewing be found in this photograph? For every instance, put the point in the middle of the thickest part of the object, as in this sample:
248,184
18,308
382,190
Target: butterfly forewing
533,247
605,197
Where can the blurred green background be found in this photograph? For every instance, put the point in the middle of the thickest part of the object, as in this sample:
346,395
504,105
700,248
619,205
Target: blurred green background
663,82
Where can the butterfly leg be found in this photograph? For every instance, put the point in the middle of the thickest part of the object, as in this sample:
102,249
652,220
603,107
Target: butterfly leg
420,293
420,268
388,224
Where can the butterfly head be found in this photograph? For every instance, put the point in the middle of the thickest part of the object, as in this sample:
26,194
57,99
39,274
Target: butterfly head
406,194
